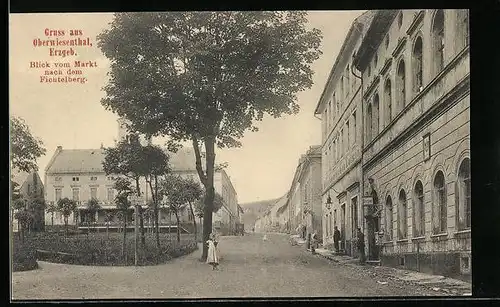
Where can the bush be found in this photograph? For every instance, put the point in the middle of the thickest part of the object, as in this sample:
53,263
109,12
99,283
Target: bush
98,249
23,256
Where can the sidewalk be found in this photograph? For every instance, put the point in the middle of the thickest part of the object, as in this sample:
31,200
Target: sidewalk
444,285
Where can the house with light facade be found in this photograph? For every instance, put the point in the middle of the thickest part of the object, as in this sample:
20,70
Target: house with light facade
416,150
304,196
340,108
79,175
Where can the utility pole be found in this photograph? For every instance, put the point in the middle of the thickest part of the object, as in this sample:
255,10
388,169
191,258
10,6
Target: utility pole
136,224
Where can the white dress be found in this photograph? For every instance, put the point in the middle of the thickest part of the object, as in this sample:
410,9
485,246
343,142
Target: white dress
212,256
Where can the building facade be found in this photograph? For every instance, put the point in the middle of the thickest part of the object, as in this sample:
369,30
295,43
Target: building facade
78,174
340,107
304,201
416,152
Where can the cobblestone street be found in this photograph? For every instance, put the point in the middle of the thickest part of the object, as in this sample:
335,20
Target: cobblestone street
250,267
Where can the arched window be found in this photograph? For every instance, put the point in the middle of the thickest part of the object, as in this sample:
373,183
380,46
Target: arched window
400,19
403,216
387,41
369,122
400,86
418,210
388,218
463,195
388,102
347,85
375,114
440,214
438,42
417,66
462,38
342,93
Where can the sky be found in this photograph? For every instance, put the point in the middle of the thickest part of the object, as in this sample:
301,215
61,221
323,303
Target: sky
71,115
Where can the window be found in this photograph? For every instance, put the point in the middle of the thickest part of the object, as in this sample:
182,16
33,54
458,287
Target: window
462,38
369,68
369,123
417,66
342,143
335,217
418,210
111,194
93,193
388,218
341,89
439,207
438,42
401,86
400,20
76,178
375,62
375,114
58,194
403,217
354,127
463,195
347,85
388,102
93,178
76,194
387,42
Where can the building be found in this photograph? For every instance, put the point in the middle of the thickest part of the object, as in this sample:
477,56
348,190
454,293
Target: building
252,211
274,218
416,149
29,186
79,175
304,201
340,107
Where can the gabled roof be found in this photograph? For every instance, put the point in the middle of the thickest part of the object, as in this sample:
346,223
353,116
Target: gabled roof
90,160
18,176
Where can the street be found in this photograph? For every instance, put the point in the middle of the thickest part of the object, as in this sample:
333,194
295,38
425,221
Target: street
250,267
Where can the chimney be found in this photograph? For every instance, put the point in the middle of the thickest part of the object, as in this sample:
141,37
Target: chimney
59,148
102,146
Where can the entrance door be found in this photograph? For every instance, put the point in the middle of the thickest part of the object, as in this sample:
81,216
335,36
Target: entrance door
342,226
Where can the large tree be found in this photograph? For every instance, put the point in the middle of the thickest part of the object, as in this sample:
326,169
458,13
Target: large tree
125,189
66,206
25,149
205,77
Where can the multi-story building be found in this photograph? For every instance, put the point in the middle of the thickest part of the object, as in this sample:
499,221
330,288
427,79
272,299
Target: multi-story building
275,217
340,108
29,186
79,175
416,150
304,201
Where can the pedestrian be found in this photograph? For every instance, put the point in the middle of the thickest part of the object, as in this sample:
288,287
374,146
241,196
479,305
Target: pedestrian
336,239
361,246
314,241
212,257
264,238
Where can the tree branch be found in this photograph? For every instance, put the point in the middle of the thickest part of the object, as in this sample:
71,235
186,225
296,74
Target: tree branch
203,176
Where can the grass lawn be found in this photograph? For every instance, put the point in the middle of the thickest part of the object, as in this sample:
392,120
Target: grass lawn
101,248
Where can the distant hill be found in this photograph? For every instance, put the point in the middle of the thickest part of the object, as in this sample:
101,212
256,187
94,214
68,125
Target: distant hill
252,210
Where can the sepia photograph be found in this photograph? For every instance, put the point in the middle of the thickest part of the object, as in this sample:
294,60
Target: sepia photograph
240,154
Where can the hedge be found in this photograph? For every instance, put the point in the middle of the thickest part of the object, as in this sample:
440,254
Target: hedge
98,249
23,256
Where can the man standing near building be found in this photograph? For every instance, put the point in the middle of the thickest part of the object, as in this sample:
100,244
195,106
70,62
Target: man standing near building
336,239
361,246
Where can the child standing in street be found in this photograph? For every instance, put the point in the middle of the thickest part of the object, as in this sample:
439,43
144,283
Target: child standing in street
212,258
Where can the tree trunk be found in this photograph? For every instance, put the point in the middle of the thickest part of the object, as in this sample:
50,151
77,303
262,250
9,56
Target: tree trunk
66,225
194,222
210,193
157,215
124,251
141,222
178,227
52,220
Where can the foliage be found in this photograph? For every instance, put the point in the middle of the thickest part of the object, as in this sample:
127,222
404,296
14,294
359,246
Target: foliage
52,208
205,77
66,206
25,148
23,255
199,205
97,249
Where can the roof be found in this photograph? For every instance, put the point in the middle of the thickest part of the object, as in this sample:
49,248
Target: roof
361,21
90,160
378,27
282,204
18,176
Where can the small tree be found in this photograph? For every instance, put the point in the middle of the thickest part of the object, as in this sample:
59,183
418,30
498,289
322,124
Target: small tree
52,208
66,206
171,188
123,204
24,218
25,148
36,206
92,207
108,218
